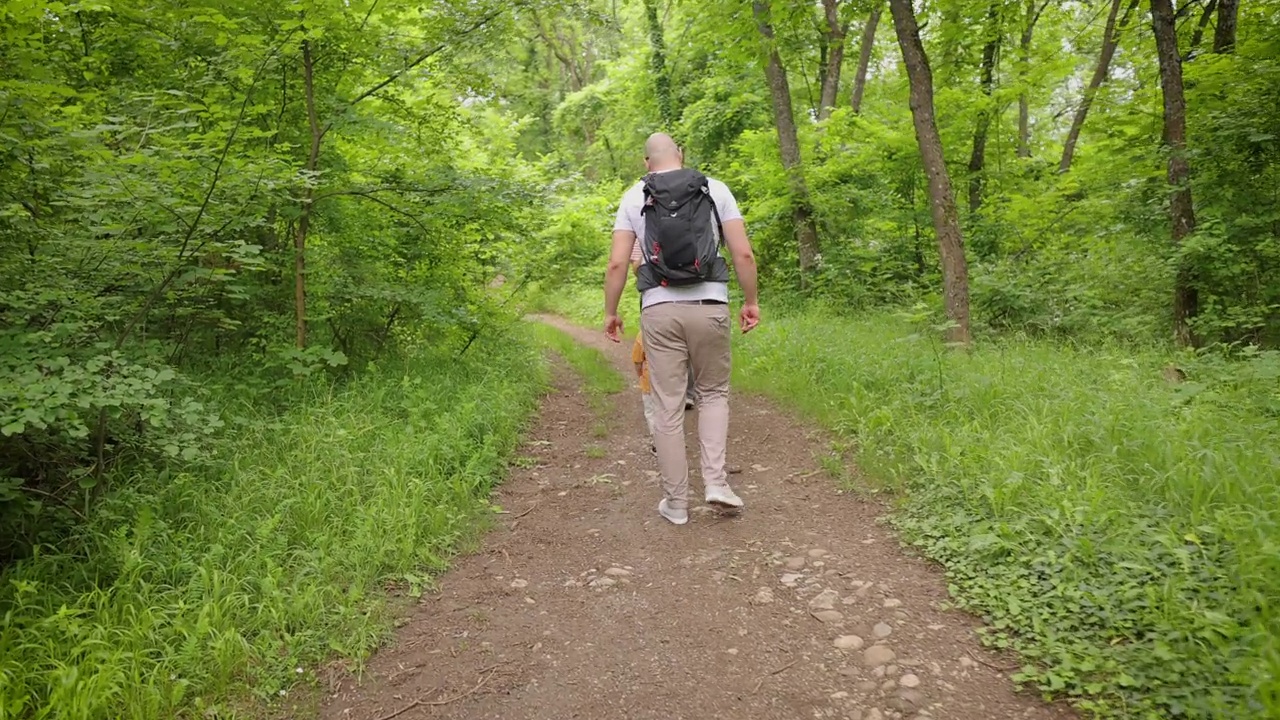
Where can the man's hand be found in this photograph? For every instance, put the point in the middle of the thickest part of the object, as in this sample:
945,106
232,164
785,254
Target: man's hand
613,327
749,318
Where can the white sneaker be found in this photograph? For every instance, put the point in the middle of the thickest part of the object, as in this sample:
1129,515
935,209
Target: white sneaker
723,497
675,515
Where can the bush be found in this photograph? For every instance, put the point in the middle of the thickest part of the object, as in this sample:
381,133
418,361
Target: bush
188,588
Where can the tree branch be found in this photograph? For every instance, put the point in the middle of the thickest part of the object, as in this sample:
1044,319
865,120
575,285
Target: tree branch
426,54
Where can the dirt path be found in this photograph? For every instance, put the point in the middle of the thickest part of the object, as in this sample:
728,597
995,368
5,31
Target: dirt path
587,604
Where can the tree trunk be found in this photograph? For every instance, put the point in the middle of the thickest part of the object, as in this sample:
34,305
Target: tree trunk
864,57
942,202
1224,36
1109,42
658,65
308,196
1198,35
835,36
1181,211
1024,58
978,158
788,144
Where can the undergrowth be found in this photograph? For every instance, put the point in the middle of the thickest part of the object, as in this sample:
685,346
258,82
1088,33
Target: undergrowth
1121,532
600,378
193,591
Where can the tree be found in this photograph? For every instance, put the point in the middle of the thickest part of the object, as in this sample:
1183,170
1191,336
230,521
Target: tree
806,228
978,158
658,65
835,37
1033,13
1224,35
942,202
1109,42
864,57
1181,210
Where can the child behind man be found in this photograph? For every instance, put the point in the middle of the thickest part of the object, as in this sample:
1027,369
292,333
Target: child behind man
646,390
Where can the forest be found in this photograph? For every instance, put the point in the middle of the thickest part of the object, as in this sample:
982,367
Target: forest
264,266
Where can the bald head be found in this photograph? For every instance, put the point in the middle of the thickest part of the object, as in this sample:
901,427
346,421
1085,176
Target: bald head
661,153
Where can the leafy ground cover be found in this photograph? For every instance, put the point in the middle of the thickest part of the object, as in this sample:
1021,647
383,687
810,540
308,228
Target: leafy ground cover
194,590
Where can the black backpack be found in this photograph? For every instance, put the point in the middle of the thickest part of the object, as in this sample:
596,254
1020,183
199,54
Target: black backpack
682,232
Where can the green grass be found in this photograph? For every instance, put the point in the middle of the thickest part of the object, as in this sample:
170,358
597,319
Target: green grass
600,377
210,593
1122,533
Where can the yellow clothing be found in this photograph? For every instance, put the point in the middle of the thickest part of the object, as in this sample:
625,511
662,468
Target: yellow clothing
637,357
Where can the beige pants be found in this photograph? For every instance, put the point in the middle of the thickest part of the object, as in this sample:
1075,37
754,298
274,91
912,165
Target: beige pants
677,337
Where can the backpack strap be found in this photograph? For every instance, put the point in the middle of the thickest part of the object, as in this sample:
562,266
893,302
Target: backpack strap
706,190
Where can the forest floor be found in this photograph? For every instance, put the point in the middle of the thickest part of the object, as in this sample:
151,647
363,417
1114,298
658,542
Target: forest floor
585,603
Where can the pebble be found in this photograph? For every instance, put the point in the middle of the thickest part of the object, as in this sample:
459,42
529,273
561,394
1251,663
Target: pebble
817,553
867,685
732,651
892,602
907,700
829,616
966,662
763,596
530,601
888,685
789,579
839,695
794,563
878,655
891,670
848,642
873,714
519,583
882,630
825,600
617,572
910,680
603,582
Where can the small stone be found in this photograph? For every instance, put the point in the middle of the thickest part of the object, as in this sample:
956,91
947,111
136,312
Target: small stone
789,579
603,582
966,662
867,686
878,672
873,714
878,655
519,583
617,572
763,596
888,685
794,563
891,670
839,695
530,601
892,602
817,553
864,591
825,600
732,651
910,680
829,616
882,630
848,642
906,700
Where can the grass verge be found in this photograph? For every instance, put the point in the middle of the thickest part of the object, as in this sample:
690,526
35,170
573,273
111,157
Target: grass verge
600,377
192,591
1121,532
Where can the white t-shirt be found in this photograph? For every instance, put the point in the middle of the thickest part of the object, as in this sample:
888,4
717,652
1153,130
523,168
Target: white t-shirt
631,218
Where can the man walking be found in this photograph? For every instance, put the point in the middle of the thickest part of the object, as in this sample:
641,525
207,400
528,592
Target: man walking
680,218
